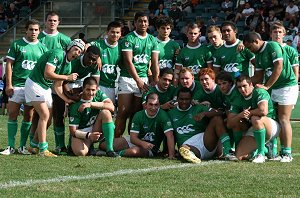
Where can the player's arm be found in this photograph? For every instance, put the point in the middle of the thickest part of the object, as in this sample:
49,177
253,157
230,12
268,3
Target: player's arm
106,104
93,136
296,72
177,69
140,143
261,110
8,73
51,75
128,56
171,144
278,66
155,66
58,87
258,77
209,114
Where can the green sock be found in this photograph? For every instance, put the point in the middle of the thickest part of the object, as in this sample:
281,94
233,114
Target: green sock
108,129
225,140
12,128
43,146
25,129
287,150
260,139
274,141
121,153
60,136
31,136
34,144
237,136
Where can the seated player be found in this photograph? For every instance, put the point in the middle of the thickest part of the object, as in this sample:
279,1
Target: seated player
148,129
89,118
255,111
164,89
196,128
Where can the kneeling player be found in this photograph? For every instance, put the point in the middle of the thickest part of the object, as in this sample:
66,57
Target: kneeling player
256,109
148,129
89,118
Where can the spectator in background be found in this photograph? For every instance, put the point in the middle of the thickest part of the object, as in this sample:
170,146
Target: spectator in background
152,19
227,7
161,11
153,5
271,18
263,28
292,29
81,36
20,3
253,20
186,6
291,12
296,42
33,4
247,11
3,23
12,15
175,13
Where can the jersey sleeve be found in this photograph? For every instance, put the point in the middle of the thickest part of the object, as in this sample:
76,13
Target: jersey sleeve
276,52
11,54
165,121
155,47
136,123
127,45
74,115
54,60
262,95
100,96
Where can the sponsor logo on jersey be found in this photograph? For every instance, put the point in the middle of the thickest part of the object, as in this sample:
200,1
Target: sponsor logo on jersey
149,137
185,129
108,69
55,60
195,68
165,63
104,54
268,72
28,64
231,67
140,58
136,46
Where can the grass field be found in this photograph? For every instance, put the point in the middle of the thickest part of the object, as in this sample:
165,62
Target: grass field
67,176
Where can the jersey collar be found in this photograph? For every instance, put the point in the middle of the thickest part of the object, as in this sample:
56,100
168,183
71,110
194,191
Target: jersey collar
158,89
234,44
184,110
56,33
190,47
31,43
264,47
230,91
82,100
160,41
81,61
193,86
151,116
109,45
65,54
249,97
208,92
141,37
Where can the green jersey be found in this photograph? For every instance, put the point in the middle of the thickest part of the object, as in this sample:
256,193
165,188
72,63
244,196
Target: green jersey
77,66
151,129
110,57
54,41
232,97
214,97
87,117
196,89
184,124
25,55
142,49
194,58
230,60
56,58
258,95
292,55
167,51
265,58
164,96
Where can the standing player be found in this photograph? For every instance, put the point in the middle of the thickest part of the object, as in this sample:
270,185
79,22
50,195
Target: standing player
274,67
138,48
214,36
21,59
256,106
53,65
53,39
110,57
168,49
149,127
228,57
90,117
194,55
277,34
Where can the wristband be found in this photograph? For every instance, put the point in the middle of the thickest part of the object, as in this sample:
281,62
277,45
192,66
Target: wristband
87,135
80,134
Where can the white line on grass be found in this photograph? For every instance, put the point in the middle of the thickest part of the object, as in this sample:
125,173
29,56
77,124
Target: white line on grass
30,182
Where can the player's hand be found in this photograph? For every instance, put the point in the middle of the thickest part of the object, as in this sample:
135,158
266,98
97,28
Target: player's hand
83,106
261,86
147,145
240,47
142,86
9,90
199,116
246,114
70,101
72,77
94,136
168,105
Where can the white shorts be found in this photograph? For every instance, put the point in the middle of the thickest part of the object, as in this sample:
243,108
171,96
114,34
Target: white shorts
274,133
130,145
285,95
18,96
198,142
110,92
34,92
128,86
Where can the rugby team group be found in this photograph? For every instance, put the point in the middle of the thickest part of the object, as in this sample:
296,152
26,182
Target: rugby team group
229,100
